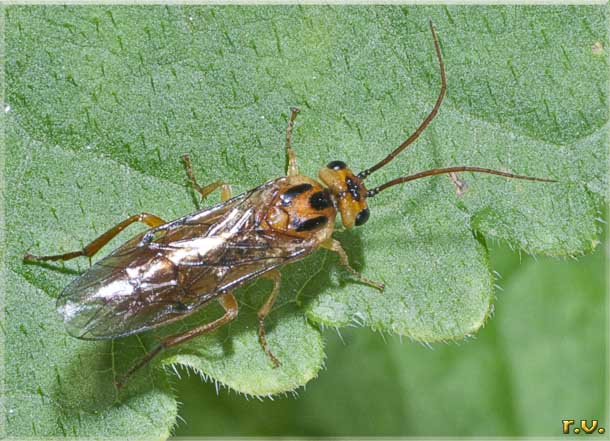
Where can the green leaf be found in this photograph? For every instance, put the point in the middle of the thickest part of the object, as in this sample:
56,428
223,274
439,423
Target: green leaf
102,102
545,344
57,385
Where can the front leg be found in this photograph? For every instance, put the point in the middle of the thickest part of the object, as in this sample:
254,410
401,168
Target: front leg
335,245
292,157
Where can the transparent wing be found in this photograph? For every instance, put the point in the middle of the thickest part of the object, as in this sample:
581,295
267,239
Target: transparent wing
169,271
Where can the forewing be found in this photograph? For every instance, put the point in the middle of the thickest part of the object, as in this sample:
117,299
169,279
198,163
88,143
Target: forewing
167,272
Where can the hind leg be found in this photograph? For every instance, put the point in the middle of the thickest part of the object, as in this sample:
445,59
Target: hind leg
93,247
229,304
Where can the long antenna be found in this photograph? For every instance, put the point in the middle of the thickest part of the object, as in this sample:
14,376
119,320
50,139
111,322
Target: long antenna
439,171
364,174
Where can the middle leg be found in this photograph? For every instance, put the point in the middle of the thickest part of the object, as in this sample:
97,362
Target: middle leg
205,191
275,277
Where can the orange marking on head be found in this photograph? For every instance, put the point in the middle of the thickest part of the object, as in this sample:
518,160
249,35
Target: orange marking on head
348,191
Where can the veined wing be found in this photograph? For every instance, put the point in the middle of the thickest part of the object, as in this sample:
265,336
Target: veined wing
169,271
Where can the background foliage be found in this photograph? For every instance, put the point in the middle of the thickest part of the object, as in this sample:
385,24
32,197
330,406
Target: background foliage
102,101
540,359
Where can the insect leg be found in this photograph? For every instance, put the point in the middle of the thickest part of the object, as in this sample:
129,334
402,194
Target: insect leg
292,157
203,191
335,245
93,247
229,304
275,277
225,192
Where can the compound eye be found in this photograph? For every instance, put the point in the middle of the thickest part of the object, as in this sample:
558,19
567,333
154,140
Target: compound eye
362,217
337,165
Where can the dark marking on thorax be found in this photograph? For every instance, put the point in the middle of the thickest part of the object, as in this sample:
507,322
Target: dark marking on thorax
292,192
320,200
310,224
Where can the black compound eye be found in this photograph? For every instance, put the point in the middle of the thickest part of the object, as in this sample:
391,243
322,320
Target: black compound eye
362,217
337,165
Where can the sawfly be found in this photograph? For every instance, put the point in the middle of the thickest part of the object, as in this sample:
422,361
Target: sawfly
175,268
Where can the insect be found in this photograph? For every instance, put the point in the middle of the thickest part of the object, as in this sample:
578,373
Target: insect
175,268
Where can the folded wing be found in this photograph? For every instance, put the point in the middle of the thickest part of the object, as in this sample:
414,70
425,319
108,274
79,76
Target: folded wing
166,273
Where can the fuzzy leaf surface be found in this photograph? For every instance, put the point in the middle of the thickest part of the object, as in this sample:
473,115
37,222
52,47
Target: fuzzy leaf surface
103,101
